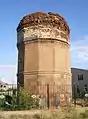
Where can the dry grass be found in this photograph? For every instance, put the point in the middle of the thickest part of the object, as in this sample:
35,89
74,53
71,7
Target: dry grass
63,113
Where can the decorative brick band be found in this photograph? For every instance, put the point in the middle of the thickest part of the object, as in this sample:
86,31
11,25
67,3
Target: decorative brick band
48,32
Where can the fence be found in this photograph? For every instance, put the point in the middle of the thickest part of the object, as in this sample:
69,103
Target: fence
42,96
58,95
50,95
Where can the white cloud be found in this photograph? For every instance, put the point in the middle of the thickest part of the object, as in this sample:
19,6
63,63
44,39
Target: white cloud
79,51
8,73
7,66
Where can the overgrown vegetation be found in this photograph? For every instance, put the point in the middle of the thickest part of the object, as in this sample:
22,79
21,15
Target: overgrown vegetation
26,100
29,101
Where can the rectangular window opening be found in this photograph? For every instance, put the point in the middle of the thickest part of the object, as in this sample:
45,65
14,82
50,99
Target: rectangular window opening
80,76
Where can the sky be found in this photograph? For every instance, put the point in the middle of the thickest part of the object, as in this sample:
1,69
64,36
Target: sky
11,12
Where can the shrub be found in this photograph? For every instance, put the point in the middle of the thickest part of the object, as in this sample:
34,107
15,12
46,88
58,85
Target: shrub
26,100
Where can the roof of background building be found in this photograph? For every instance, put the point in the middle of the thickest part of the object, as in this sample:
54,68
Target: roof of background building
79,69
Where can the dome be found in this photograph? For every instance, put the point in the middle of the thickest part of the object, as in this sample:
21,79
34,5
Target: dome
41,18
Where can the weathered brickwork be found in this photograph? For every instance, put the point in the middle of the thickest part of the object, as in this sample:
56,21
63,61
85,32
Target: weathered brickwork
45,53
45,19
45,32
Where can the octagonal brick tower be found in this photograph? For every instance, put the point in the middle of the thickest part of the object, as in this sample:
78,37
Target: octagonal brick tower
43,50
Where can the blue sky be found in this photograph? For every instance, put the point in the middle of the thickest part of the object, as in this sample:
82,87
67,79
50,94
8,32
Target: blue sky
11,11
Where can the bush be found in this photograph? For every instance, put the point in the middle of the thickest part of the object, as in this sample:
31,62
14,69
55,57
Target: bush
26,101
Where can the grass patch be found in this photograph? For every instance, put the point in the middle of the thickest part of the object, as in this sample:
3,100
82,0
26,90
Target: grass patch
62,113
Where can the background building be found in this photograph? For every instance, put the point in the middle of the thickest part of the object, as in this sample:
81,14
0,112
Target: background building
7,89
79,80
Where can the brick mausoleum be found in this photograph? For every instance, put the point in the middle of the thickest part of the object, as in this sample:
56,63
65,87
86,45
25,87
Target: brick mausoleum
44,53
